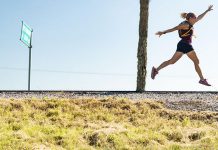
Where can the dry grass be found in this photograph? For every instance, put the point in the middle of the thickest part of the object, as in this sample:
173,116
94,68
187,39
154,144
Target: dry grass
103,124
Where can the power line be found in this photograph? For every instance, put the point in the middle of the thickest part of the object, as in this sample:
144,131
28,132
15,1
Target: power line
94,73
67,72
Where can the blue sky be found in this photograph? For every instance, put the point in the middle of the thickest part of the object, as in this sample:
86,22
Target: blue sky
92,45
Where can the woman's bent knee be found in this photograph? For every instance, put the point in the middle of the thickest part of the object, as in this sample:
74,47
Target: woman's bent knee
196,62
171,62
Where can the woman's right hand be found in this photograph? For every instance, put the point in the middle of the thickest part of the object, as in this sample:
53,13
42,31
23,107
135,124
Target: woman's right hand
159,33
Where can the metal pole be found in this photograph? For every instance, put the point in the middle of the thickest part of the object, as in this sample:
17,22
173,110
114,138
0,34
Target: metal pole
30,47
29,68
26,42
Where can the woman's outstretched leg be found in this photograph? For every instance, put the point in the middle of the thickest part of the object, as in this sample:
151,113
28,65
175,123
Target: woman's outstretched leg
171,61
192,55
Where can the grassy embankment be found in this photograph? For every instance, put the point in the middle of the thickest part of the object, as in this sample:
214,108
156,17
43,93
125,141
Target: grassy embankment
103,124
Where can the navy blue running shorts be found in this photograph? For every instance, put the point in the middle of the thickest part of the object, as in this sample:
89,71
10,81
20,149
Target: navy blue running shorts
184,47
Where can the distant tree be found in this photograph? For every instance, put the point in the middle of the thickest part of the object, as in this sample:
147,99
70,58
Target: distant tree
142,46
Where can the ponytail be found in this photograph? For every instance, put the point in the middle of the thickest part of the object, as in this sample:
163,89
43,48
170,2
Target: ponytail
184,15
187,15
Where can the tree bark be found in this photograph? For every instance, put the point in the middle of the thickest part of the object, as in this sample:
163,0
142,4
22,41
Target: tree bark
142,45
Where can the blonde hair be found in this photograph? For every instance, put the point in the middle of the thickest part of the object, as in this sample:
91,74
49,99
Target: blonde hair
187,15
183,15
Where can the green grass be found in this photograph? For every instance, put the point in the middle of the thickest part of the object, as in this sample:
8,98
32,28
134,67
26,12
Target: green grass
103,124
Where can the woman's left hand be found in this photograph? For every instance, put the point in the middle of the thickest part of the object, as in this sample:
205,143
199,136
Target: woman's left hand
210,8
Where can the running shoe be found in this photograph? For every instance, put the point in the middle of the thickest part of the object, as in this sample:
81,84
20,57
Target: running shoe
204,82
154,72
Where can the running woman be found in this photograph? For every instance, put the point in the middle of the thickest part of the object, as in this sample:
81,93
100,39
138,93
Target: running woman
185,30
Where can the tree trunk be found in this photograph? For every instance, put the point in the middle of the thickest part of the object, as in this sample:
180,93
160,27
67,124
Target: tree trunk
142,45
